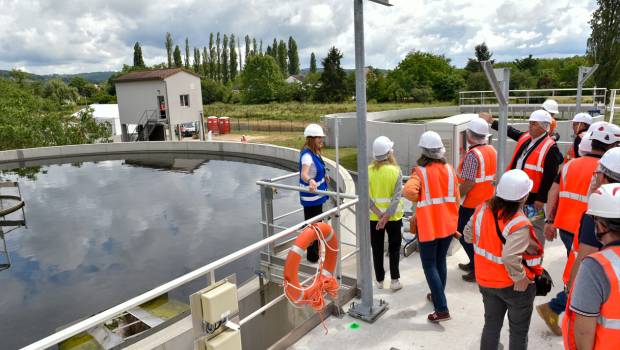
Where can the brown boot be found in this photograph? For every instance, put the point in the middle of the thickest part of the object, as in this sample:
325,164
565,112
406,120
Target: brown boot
551,318
470,277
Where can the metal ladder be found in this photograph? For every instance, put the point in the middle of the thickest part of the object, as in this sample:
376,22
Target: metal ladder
16,204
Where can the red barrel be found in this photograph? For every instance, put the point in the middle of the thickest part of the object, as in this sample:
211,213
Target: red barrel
212,125
224,125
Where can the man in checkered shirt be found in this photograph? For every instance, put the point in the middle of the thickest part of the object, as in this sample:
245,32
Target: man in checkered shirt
474,190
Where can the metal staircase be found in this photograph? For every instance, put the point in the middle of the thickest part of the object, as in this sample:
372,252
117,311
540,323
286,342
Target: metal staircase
147,123
9,204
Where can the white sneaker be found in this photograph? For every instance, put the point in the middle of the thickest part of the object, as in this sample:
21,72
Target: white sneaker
379,285
395,285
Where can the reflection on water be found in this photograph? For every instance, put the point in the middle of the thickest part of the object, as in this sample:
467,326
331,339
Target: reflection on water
101,233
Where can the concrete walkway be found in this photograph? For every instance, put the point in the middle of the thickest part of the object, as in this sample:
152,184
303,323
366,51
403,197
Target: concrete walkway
404,325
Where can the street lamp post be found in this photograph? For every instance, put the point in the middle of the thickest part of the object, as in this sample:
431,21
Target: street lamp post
369,309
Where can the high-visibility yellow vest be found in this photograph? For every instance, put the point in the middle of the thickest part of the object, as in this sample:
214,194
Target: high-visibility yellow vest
381,183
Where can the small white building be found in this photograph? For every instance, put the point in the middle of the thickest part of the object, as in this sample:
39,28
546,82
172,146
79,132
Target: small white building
295,79
157,102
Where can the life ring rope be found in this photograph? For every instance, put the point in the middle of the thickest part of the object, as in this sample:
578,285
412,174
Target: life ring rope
323,281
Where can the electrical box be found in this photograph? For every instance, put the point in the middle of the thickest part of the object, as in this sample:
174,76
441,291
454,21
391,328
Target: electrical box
227,340
452,133
219,303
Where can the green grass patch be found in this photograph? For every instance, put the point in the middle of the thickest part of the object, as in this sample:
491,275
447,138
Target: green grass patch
301,111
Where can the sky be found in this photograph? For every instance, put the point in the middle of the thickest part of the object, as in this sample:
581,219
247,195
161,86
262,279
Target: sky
72,36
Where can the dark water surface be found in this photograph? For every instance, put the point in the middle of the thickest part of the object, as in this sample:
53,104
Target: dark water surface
101,233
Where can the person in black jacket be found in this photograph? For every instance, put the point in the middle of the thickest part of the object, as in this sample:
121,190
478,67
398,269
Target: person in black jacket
531,143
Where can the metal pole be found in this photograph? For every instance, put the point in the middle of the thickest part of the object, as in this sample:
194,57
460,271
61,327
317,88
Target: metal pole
503,124
368,310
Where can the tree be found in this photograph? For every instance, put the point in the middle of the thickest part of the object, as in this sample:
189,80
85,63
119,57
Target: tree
282,59
233,58
333,78
169,44
196,64
212,59
225,59
604,43
218,67
312,63
261,79
274,49
186,52
178,61
293,57
205,61
482,53
528,63
19,75
138,61
61,93
420,70
84,87
254,48
268,51
260,49
240,56
247,47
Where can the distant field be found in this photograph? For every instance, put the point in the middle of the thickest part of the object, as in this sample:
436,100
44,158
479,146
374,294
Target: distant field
300,111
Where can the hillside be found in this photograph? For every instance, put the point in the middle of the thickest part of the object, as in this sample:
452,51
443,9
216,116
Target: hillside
93,77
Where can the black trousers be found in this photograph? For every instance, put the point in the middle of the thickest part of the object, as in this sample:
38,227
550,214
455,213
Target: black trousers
519,305
312,253
377,239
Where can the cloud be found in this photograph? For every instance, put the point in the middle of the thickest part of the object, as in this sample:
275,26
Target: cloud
75,36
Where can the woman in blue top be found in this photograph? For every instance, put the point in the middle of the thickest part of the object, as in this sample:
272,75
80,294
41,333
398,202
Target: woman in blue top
312,175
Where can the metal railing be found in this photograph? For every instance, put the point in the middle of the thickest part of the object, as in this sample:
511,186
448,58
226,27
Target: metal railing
208,269
535,96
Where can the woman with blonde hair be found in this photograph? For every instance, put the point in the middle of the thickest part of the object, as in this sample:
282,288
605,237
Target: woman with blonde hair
312,174
385,183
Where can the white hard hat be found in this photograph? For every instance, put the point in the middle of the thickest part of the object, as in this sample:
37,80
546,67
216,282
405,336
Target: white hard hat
605,201
479,126
585,146
611,160
514,185
540,115
550,106
582,118
606,133
314,130
430,140
381,147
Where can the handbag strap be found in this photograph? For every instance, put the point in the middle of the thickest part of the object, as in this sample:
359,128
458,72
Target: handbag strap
501,238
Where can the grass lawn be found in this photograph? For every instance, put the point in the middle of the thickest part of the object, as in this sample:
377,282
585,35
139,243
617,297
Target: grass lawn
301,111
348,155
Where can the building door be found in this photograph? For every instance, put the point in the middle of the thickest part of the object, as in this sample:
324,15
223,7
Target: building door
161,102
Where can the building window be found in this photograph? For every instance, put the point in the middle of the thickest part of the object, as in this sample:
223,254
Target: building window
184,100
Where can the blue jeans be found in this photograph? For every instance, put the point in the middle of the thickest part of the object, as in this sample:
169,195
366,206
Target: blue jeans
558,304
433,255
464,216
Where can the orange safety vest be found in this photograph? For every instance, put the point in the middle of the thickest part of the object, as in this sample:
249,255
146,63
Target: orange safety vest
608,323
485,175
490,269
570,154
574,186
437,209
534,164
575,178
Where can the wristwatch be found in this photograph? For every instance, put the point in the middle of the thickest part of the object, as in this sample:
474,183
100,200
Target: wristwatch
549,221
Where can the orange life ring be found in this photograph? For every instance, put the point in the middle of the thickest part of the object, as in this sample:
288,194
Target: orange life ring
324,281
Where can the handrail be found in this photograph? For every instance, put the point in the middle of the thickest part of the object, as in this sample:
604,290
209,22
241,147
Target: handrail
284,177
487,96
101,317
305,189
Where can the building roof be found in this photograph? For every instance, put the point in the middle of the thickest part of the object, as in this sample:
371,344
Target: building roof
158,74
